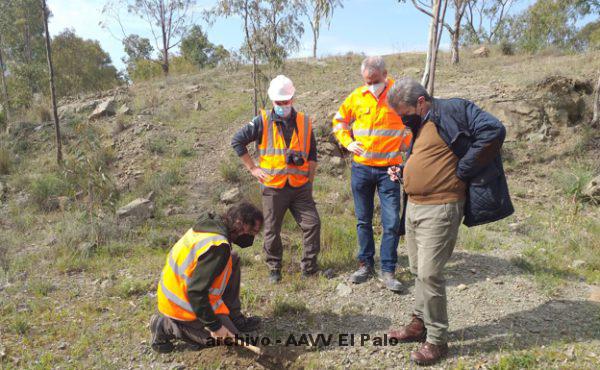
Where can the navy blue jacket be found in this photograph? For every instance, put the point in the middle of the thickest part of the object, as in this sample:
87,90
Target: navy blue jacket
476,137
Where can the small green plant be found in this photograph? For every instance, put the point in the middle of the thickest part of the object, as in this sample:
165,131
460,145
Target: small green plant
186,152
41,288
157,145
230,170
129,288
515,362
44,191
21,325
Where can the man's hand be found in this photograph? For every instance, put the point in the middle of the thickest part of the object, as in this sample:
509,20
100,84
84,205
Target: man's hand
259,174
395,173
222,333
356,148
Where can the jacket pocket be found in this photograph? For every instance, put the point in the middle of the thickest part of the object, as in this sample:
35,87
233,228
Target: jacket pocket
484,197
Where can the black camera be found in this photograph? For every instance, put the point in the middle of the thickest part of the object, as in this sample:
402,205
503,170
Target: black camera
295,159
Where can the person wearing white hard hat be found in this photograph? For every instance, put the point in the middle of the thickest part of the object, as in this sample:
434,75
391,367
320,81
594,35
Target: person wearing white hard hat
287,163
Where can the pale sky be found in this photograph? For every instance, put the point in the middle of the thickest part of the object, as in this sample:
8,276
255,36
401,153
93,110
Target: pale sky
369,26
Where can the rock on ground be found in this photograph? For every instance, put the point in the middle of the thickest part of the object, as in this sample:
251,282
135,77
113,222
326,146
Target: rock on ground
139,209
231,196
592,189
106,108
481,52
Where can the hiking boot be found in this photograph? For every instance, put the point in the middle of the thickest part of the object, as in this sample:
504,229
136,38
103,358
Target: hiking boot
274,276
415,331
160,341
389,280
364,273
429,354
247,324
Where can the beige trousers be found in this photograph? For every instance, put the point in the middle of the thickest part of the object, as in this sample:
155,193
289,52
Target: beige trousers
431,232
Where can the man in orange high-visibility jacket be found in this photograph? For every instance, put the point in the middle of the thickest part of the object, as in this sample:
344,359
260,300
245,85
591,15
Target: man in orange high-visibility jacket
287,162
199,289
375,134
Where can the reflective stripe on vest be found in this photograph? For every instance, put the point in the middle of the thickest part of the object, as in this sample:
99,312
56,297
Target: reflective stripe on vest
273,152
181,263
369,120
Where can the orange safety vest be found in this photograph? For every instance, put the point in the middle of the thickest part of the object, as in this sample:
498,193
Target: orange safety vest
273,151
370,121
181,262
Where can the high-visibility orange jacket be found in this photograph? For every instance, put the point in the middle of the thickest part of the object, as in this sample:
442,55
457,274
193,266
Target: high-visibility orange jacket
181,263
273,151
370,121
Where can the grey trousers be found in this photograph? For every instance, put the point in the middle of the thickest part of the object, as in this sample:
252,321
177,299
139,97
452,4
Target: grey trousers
301,204
431,232
194,331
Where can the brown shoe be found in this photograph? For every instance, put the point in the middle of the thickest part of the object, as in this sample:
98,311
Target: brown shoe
413,332
429,354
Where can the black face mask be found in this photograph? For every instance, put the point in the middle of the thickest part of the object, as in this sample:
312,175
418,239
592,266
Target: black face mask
412,121
244,240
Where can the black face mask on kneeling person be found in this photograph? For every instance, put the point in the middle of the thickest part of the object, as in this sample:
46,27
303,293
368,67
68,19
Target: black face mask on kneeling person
244,240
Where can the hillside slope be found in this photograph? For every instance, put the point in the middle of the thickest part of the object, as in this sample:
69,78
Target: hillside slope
77,284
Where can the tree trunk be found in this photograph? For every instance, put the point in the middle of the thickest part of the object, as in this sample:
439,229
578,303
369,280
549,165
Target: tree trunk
52,91
456,34
432,42
455,48
254,72
5,97
165,42
432,52
315,39
596,117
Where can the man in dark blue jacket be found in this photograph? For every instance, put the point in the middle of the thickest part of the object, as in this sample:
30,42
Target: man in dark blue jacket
454,169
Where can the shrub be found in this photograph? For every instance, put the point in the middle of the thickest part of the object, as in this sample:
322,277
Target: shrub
230,170
45,190
507,47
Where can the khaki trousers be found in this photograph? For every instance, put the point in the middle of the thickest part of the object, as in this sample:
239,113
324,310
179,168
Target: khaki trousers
431,232
301,204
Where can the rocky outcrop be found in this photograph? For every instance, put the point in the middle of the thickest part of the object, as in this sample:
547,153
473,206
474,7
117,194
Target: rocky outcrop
104,109
542,111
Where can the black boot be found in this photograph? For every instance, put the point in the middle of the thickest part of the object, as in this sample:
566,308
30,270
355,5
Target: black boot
160,341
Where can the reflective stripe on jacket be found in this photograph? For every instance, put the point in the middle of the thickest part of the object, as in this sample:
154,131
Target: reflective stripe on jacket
181,262
273,152
364,118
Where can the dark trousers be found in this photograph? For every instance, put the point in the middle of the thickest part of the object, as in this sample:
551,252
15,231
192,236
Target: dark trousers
301,204
194,331
365,180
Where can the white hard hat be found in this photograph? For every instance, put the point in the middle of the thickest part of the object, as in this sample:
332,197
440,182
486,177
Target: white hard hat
281,88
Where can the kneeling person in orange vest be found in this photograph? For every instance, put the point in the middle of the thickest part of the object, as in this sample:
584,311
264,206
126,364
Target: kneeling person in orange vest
287,162
199,289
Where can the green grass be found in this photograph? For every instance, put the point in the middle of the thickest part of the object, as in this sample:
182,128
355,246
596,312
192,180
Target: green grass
515,362
231,169
45,189
282,306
